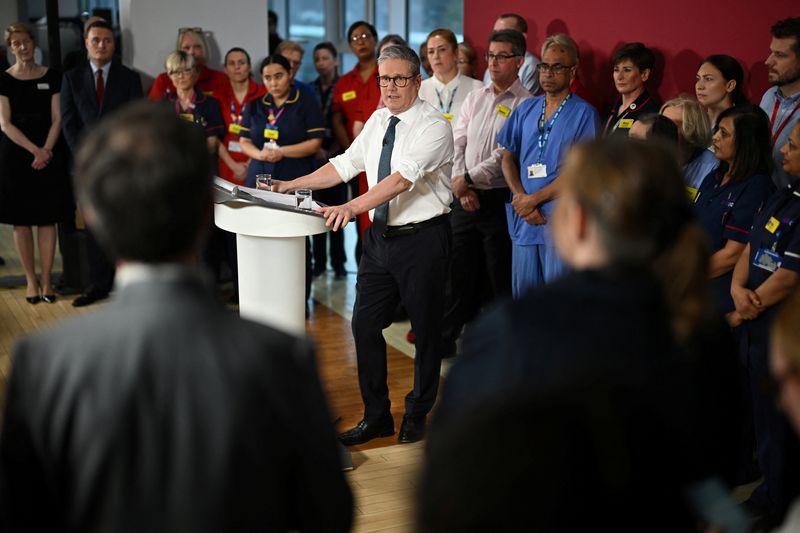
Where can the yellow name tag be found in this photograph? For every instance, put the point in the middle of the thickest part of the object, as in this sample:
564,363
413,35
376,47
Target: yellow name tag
187,116
692,192
271,134
772,225
208,93
236,129
502,110
349,95
625,123
448,116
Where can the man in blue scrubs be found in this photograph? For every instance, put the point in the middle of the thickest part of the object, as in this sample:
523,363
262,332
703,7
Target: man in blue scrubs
536,139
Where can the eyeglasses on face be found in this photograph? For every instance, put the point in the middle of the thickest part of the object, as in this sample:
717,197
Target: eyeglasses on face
399,81
181,31
362,37
500,58
178,72
555,68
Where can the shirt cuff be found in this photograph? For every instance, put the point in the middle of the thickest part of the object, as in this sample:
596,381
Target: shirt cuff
410,170
344,167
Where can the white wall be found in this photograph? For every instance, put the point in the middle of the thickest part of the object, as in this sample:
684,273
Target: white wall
150,27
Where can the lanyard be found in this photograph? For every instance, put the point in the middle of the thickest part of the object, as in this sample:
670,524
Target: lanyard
544,130
450,104
179,109
624,114
236,118
785,120
272,118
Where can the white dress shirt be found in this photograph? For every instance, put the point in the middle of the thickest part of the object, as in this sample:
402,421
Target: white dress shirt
448,97
422,154
482,116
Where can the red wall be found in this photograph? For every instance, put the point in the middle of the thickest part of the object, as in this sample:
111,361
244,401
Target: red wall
680,32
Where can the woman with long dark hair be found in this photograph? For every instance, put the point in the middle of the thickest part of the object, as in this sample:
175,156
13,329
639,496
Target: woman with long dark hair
719,85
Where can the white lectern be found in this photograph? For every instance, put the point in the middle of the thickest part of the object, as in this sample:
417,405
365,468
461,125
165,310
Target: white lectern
270,241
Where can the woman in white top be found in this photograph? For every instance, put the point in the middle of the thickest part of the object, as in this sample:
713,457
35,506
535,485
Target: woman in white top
446,89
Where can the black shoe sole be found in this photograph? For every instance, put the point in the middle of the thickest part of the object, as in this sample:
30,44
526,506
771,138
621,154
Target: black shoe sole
379,435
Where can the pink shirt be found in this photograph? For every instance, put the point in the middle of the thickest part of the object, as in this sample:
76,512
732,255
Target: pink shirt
482,115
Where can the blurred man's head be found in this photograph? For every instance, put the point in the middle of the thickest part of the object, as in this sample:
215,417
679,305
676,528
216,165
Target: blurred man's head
143,179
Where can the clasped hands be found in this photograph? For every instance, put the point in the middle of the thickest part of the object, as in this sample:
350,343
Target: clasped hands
41,157
527,207
748,306
270,155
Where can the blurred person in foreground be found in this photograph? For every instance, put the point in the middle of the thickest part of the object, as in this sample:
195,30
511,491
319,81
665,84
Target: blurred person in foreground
163,412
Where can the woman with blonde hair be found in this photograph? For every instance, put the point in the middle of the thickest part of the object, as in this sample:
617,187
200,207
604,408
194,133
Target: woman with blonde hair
34,187
696,158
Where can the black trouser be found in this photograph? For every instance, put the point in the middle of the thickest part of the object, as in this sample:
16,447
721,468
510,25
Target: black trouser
333,196
481,261
101,270
410,269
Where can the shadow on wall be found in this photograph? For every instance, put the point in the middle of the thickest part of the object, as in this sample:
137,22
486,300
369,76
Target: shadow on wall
757,71
684,61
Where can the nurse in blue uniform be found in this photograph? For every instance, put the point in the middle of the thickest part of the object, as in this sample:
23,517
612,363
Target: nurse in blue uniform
285,127
731,194
765,275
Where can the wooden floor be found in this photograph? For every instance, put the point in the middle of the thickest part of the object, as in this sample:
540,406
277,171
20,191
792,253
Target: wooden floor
385,472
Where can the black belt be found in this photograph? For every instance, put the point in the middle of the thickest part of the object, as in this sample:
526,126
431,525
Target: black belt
414,227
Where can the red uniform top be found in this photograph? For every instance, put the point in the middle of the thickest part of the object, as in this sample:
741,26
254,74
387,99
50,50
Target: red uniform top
232,112
357,99
209,82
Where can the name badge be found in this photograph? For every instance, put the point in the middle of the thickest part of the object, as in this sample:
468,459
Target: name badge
448,116
43,86
236,129
502,110
767,259
693,193
188,117
625,123
208,93
234,146
271,134
538,170
349,95
772,225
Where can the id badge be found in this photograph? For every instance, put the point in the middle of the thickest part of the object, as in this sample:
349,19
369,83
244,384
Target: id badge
236,129
271,134
234,146
693,193
448,116
43,86
502,110
772,225
625,123
538,170
349,95
188,117
767,259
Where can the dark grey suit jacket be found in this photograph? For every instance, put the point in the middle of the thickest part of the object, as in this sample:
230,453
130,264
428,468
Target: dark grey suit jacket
165,412
79,107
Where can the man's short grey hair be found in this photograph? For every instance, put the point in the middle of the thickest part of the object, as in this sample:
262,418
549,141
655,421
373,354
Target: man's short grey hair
564,41
401,52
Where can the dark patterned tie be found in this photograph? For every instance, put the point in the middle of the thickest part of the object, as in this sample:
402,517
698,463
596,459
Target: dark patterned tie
381,215
100,87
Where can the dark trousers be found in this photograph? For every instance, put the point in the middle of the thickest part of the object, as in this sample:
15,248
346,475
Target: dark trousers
101,270
481,261
410,269
778,448
333,196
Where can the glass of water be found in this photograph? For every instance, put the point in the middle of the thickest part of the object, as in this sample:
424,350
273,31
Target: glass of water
264,181
303,198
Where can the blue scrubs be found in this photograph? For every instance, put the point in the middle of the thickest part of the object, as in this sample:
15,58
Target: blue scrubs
775,230
703,162
205,113
726,213
299,119
534,259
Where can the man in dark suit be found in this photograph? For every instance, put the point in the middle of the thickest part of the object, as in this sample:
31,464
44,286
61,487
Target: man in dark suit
87,94
165,411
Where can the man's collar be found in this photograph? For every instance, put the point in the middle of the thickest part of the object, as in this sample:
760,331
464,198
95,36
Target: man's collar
409,115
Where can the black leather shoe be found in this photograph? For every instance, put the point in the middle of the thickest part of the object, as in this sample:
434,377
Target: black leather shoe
366,431
33,300
412,429
88,298
49,298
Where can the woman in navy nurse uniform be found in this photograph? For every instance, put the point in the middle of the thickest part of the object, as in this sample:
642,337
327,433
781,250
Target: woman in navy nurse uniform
286,127
729,197
765,275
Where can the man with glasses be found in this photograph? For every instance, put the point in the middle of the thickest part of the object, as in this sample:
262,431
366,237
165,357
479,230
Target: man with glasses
89,93
210,82
481,263
536,138
406,149
527,72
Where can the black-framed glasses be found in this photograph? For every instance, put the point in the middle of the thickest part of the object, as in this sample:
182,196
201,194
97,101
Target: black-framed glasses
500,58
196,29
178,72
555,68
362,37
399,81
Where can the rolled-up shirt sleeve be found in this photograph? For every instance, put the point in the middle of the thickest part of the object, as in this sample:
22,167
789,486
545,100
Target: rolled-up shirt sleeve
353,161
429,151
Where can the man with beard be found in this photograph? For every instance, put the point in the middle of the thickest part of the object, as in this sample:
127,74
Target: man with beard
782,102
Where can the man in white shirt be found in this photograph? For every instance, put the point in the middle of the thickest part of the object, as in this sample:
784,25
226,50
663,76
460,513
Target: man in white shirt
406,149
527,72
481,262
